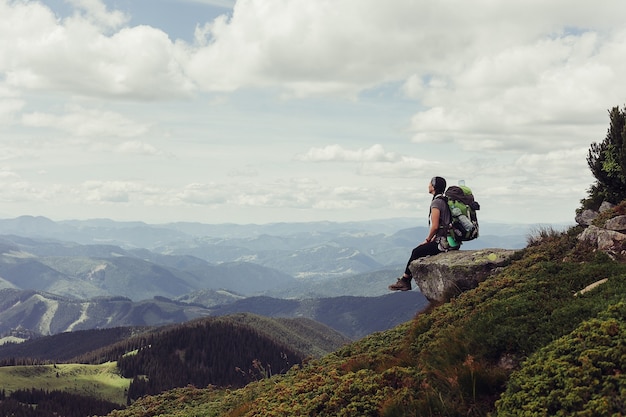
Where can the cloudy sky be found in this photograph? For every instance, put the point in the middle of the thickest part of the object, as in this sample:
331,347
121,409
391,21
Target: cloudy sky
257,111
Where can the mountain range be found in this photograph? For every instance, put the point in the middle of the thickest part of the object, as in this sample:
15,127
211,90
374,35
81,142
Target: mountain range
487,350
76,275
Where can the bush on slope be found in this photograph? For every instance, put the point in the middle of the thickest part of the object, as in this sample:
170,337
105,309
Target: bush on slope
579,374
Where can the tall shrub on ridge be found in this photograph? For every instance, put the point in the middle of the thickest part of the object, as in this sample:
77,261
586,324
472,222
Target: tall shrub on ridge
607,161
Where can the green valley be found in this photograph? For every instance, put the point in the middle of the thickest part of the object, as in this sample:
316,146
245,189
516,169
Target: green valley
99,381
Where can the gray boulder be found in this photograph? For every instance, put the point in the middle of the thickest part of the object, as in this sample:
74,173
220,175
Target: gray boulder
446,275
602,238
617,223
605,206
586,217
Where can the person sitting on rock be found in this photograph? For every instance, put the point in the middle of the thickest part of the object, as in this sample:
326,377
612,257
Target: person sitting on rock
439,220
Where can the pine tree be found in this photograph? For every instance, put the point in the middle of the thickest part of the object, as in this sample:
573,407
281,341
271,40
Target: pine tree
607,161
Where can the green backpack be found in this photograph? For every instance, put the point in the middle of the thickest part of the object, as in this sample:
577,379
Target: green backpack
463,209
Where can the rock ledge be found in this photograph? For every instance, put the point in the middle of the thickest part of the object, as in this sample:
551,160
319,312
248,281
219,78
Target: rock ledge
448,274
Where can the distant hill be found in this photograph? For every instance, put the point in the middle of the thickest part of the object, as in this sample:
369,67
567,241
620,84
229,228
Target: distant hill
101,273
38,313
47,314
223,353
354,317
302,250
86,271
308,337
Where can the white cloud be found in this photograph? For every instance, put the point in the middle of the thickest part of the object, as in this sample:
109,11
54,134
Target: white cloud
16,189
375,153
564,164
78,57
117,192
203,194
507,95
9,107
337,46
97,13
554,88
137,147
83,122
246,171
307,194
373,161
6,174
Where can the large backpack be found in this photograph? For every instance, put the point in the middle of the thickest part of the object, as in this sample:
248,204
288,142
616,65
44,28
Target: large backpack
463,209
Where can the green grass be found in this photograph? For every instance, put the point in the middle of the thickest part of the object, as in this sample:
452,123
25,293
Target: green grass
98,381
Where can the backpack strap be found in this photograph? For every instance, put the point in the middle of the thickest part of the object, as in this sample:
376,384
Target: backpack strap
446,227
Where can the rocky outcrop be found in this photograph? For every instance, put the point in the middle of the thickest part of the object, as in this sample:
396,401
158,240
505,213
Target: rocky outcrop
448,274
610,237
603,238
586,217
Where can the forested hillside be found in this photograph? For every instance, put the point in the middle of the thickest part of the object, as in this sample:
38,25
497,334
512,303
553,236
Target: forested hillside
202,353
224,352
216,351
496,349
51,404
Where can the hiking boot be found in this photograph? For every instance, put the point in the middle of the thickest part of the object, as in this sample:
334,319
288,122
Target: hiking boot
403,284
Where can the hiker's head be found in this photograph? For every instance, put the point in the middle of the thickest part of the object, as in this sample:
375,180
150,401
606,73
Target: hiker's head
438,184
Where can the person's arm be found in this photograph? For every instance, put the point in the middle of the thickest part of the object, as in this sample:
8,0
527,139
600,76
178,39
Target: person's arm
434,224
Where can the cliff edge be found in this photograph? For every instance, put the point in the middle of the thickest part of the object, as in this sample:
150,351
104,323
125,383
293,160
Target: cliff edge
446,275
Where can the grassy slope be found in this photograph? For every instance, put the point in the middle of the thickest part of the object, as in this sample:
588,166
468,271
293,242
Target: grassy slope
100,381
456,359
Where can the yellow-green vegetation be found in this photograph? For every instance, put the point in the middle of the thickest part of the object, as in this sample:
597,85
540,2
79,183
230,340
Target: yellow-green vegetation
508,340
98,381
579,374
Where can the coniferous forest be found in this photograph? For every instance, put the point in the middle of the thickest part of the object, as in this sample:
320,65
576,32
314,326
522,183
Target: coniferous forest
201,354
40,403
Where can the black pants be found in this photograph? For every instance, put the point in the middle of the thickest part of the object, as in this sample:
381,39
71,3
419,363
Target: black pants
425,249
